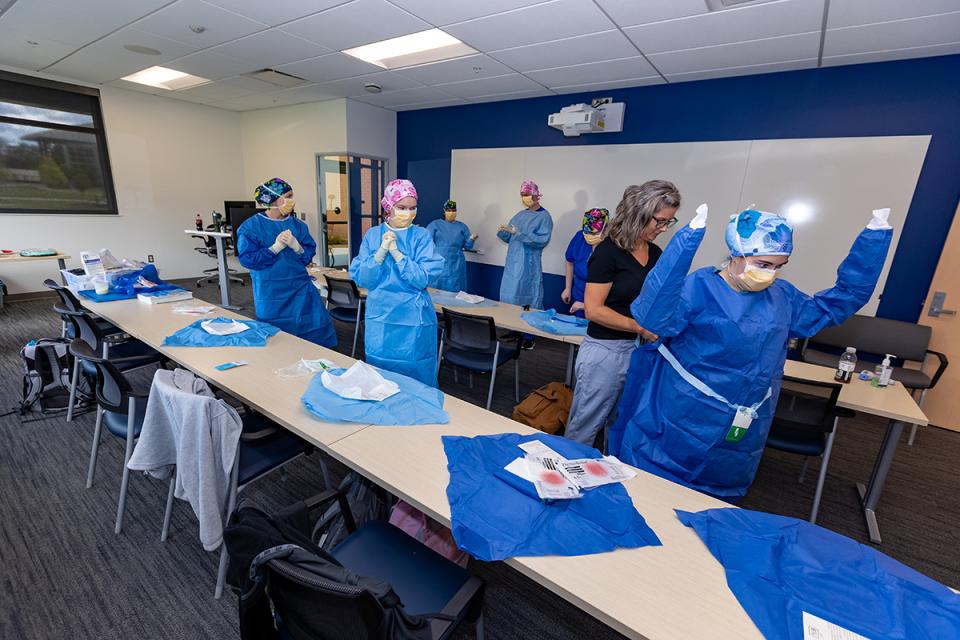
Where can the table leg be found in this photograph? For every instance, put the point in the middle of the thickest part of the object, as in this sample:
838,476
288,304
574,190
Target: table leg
224,276
571,355
62,265
870,494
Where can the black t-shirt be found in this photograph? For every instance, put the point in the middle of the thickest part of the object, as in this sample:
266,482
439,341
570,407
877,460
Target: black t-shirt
611,264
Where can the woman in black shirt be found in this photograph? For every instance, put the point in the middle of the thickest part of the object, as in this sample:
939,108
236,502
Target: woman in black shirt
615,274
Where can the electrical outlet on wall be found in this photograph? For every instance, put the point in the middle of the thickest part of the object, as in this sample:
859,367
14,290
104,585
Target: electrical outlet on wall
303,216
150,257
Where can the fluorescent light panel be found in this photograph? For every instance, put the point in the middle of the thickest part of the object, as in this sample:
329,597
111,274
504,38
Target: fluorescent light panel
416,48
164,78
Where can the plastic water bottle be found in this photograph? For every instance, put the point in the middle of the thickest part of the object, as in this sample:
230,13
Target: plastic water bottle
199,223
848,363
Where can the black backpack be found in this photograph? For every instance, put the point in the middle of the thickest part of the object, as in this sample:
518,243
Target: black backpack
46,376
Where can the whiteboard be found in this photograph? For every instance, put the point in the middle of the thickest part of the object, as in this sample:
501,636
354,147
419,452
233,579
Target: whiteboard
827,186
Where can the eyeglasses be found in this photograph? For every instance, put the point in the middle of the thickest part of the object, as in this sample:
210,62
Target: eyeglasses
663,224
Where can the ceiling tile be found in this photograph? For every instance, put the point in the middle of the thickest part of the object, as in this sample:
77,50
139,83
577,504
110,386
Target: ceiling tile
417,95
540,23
731,25
627,13
490,86
458,70
606,45
256,101
450,102
333,66
226,89
513,95
444,12
791,65
901,34
221,25
349,87
606,86
359,22
212,65
71,21
895,54
133,86
309,93
16,51
848,13
275,12
798,47
611,70
270,48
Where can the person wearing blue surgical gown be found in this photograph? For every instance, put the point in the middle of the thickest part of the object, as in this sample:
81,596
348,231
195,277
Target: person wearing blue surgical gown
396,262
276,247
526,236
698,403
451,238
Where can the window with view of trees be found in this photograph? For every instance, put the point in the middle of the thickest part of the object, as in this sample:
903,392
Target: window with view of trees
53,153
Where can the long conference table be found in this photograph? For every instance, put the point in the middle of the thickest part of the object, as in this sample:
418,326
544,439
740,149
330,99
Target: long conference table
677,590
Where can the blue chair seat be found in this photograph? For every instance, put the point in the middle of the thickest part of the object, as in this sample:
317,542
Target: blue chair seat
260,456
478,361
424,580
798,441
117,422
343,314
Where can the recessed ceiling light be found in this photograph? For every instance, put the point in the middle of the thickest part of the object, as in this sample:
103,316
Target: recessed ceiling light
372,88
164,78
136,48
33,43
417,48
197,28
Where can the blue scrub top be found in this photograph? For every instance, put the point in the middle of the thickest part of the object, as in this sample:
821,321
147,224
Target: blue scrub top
578,254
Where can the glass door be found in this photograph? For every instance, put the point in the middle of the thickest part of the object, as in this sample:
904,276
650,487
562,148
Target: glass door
349,189
366,184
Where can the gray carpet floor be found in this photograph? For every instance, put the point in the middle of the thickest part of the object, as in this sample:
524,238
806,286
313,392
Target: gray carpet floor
66,575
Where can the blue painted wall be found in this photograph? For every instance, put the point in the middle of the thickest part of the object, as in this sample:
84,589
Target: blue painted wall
910,97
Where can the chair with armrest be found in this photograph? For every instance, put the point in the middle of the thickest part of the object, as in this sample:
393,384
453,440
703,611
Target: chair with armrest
345,304
805,423
71,302
906,341
209,248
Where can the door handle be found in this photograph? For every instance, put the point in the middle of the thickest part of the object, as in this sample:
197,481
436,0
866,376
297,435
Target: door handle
936,306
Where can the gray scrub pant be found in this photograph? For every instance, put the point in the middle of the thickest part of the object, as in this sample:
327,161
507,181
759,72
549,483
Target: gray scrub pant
601,372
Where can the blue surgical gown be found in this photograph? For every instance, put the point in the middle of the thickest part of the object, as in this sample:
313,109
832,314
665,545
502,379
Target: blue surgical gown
400,330
451,238
522,282
736,344
578,254
283,292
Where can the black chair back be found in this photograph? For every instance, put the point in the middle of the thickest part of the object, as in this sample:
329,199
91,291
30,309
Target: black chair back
807,405
67,299
111,387
906,340
311,607
84,327
343,293
470,332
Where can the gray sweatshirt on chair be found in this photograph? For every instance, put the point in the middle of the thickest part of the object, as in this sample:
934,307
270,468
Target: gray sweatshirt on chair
187,428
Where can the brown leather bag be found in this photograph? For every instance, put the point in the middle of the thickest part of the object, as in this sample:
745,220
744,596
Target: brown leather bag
546,408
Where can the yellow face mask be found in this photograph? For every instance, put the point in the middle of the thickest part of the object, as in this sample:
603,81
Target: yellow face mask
287,207
527,201
449,216
402,218
755,279
593,239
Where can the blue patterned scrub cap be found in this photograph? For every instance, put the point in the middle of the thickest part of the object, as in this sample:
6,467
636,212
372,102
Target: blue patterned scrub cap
271,191
758,233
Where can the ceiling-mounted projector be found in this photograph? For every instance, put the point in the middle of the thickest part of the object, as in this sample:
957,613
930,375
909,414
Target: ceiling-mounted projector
583,118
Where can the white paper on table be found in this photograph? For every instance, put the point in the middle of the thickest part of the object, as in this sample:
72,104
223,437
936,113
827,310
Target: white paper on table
519,468
596,472
224,328
192,309
469,297
815,628
550,483
538,449
360,382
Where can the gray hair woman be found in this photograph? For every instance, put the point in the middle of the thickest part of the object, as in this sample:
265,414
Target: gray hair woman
615,274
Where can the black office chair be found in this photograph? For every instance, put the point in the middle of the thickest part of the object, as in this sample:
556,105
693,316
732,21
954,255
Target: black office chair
209,249
471,342
350,593
127,354
71,302
345,304
118,406
805,423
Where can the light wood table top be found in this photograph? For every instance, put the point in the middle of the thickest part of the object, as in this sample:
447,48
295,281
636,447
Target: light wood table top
16,257
894,402
256,383
506,316
674,591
